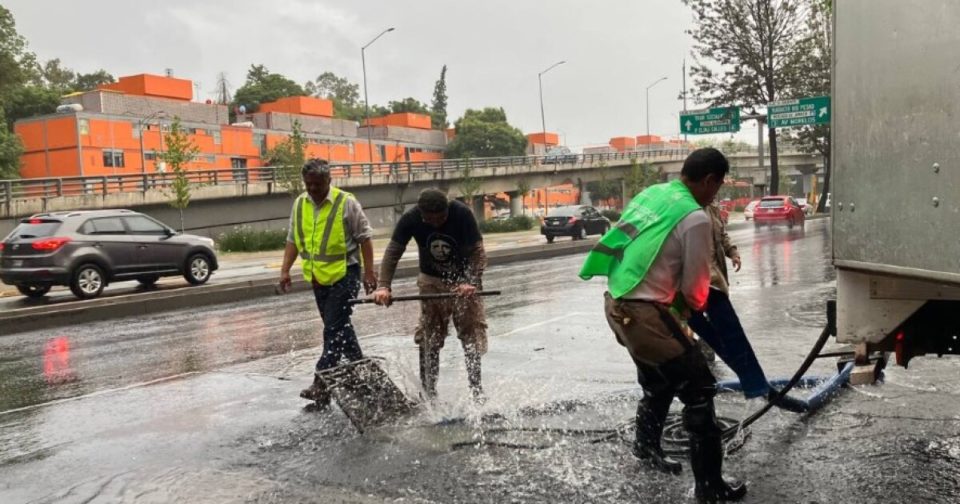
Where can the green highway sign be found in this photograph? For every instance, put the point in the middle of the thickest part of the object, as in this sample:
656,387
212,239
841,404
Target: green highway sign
800,112
715,120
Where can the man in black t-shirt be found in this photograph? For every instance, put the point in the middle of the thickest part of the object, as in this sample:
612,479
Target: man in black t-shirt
452,259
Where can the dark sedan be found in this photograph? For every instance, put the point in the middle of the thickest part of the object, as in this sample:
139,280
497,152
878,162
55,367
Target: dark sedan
577,221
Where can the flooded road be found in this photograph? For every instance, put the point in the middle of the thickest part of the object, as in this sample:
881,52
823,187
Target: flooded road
202,406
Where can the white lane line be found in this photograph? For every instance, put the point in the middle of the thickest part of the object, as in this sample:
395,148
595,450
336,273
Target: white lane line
541,323
100,392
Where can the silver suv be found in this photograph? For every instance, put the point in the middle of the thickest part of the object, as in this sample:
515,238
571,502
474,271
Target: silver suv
89,249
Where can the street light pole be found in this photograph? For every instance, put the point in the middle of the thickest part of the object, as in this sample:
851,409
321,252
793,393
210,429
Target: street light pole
366,98
648,102
141,122
543,120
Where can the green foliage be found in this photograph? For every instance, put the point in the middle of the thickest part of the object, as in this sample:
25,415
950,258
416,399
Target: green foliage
28,101
409,104
10,150
264,87
517,223
289,157
765,63
469,184
247,239
486,133
604,188
86,82
438,109
18,66
179,150
344,94
639,178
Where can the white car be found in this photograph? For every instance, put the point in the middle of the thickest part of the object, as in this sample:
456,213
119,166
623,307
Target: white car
749,209
805,206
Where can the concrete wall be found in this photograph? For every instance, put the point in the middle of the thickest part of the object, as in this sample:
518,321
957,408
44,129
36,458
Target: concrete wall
214,209
108,102
309,124
436,138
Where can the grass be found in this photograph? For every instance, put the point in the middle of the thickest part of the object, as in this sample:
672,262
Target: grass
518,223
247,239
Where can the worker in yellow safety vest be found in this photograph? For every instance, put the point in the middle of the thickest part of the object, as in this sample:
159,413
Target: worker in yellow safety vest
331,235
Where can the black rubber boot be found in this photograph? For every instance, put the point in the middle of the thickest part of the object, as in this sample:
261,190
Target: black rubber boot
429,370
706,457
651,416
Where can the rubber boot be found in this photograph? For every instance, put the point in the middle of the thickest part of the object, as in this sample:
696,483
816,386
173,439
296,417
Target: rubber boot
429,370
318,391
472,358
651,415
706,456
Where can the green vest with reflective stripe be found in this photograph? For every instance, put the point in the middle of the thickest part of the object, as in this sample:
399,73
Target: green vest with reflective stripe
322,241
624,254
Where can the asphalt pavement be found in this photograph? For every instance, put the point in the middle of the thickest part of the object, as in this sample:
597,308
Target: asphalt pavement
200,405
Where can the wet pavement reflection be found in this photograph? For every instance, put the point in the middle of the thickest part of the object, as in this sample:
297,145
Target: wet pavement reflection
201,405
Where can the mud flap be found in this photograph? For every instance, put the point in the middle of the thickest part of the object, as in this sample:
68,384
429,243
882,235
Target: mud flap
365,393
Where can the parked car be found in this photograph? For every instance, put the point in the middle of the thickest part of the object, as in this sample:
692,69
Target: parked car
750,209
560,155
778,210
86,250
577,221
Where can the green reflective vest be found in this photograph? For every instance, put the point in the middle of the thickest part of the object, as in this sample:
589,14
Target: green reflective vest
322,240
624,254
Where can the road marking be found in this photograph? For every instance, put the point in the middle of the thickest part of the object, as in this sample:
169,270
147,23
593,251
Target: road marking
100,392
538,324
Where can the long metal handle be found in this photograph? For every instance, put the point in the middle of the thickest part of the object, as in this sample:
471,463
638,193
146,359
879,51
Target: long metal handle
423,297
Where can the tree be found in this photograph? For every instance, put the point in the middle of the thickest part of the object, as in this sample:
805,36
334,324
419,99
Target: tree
469,184
56,77
264,87
639,178
17,65
604,188
180,150
438,109
344,94
408,104
28,101
759,47
288,157
816,82
523,187
10,150
486,133
86,82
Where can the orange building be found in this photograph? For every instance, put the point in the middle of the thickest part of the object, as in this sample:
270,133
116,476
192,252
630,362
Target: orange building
118,129
539,143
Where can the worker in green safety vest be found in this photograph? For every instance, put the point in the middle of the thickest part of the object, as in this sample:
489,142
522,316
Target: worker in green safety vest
657,262
331,235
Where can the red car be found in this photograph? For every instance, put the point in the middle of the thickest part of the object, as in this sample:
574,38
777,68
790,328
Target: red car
778,210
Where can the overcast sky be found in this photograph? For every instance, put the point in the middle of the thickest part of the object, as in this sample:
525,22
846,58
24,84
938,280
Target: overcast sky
493,49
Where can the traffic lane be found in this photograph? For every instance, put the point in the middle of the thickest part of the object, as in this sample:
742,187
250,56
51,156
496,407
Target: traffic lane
84,358
553,345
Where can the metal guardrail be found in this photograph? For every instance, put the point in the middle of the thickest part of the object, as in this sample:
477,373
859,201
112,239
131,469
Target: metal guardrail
34,188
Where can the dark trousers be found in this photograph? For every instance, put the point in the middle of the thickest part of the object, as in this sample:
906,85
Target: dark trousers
721,329
339,338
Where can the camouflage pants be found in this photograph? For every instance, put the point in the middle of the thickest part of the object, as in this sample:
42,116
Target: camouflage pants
436,314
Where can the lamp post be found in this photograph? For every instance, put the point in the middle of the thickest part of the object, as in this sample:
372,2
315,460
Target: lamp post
143,158
366,98
543,121
648,102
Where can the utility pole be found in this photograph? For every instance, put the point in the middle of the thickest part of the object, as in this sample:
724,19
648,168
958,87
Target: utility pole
684,93
761,120
543,121
366,98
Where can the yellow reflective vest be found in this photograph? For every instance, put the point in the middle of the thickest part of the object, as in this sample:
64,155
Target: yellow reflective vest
322,240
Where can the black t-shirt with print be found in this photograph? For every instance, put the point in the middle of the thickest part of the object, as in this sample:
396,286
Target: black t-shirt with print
443,251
